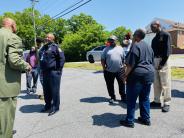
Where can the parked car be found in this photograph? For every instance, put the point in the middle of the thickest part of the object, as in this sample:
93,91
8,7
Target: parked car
95,54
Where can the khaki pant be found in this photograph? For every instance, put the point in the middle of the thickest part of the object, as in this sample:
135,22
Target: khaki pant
162,83
7,116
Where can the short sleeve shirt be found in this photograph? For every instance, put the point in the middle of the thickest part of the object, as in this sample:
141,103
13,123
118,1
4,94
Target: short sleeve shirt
141,60
114,58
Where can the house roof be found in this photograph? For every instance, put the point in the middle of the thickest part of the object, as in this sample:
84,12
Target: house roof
166,24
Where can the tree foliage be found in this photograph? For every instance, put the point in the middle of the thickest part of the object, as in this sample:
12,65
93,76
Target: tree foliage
76,35
120,32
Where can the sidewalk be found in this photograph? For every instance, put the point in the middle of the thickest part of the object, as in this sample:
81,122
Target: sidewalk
85,112
177,60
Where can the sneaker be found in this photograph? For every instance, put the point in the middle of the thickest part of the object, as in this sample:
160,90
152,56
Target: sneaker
126,123
144,122
28,91
165,108
111,101
154,104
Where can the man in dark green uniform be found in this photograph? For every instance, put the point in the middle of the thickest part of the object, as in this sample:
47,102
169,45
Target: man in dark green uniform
11,65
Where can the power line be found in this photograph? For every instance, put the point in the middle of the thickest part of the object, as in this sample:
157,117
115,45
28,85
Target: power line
53,6
47,5
66,12
68,8
74,9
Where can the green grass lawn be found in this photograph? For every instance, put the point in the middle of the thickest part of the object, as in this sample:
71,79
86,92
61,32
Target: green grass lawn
177,56
84,65
177,73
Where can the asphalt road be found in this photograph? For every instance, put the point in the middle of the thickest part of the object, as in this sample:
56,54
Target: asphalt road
85,112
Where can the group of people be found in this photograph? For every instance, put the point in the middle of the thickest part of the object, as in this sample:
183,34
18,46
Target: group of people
136,66
47,60
136,70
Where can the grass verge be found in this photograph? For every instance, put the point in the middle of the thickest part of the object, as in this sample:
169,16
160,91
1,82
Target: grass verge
84,65
177,73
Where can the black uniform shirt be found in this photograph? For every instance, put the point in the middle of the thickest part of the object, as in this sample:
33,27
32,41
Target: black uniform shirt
51,57
161,45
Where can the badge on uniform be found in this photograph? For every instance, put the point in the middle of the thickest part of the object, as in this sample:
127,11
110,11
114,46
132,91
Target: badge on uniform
50,49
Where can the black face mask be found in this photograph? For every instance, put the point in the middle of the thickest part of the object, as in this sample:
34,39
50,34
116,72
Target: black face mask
112,42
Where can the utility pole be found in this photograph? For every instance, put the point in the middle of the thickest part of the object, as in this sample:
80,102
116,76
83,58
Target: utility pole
33,2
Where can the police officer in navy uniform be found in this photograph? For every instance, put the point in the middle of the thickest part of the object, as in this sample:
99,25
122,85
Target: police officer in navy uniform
51,62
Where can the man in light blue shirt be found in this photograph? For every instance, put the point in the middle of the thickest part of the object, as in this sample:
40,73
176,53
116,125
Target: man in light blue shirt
112,61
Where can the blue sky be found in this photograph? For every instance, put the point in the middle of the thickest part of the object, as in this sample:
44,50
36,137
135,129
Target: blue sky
132,14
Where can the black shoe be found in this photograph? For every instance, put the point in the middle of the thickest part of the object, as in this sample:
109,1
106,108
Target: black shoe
154,104
144,122
111,101
45,110
14,131
34,90
41,97
125,123
52,112
165,108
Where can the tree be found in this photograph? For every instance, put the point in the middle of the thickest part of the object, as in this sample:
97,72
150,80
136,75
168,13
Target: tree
44,24
76,35
120,32
83,35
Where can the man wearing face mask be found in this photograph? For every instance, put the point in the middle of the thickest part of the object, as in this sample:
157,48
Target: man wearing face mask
11,66
32,59
112,61
51,63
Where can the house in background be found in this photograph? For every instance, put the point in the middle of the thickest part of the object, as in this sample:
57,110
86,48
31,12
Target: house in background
176,30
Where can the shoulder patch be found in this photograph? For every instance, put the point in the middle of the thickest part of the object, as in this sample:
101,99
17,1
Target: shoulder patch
59,49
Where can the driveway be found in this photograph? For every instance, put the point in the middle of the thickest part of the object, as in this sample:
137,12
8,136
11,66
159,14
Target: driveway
85,112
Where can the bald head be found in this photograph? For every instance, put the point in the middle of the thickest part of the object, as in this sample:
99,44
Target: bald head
155,26
155,22
9,24
50,37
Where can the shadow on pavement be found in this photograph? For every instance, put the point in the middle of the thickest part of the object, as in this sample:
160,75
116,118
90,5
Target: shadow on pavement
94,99
104,99
96,72
31,108
108,119
23,91
177,93
28,96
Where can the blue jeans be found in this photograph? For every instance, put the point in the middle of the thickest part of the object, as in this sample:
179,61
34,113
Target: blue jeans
133,91
33,75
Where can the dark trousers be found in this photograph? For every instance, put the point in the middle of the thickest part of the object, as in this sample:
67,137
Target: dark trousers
51,88
133,91
32,75
109,79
